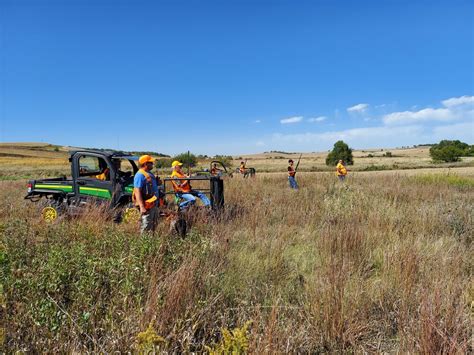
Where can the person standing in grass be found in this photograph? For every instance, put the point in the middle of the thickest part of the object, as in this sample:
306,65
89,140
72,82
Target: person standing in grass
291,175
341,170
145,191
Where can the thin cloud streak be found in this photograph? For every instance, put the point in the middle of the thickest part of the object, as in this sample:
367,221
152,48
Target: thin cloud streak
317,119
291,120
359,108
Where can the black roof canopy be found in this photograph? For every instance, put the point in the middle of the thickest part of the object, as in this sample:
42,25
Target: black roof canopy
108,153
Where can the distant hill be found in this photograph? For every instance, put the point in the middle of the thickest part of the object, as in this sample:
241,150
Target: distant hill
32,149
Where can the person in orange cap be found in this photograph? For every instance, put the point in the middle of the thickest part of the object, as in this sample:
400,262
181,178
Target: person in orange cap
183,189
145,194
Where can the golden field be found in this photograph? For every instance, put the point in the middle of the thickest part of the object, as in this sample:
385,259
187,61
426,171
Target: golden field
36,160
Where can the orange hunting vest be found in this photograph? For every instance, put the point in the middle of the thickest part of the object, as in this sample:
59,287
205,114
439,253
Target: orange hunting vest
148,195
185,188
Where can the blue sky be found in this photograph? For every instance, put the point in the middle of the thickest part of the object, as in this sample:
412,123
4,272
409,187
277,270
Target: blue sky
236,77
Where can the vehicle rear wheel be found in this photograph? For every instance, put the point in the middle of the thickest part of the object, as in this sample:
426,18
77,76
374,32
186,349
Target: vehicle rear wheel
53,209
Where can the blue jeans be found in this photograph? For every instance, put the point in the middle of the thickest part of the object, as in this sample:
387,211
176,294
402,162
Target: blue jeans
341,177
293,183
190,199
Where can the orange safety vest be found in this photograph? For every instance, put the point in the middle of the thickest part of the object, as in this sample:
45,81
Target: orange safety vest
185,187
148,195
104,175
341,170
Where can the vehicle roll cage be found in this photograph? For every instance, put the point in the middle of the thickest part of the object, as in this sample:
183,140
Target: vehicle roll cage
215,190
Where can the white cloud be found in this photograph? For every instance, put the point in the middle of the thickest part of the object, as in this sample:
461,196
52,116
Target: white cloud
290,120
456,108
317,119
258,121
260,144
359,108
378,134
456,101
424,115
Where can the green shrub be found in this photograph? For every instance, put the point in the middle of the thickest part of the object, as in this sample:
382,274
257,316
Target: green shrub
224,159
232,342
162,163
376,168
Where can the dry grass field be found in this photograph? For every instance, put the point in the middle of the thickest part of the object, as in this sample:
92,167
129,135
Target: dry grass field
36,160
364,160
380,263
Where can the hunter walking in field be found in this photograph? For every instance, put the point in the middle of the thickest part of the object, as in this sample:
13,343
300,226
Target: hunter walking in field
183,190
145,191
341,170
291,175
243,169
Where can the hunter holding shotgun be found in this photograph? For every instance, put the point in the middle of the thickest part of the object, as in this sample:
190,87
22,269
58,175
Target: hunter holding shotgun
292,173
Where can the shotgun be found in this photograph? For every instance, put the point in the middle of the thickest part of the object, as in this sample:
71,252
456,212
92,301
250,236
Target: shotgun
298,164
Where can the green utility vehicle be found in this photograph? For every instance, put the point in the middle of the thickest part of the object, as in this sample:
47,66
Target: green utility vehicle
104,178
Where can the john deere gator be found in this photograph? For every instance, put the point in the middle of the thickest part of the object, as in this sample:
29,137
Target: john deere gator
104,178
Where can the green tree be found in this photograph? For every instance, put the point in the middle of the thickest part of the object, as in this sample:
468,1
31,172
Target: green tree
187,159
446,154
470,151
450,151
340,151
456,143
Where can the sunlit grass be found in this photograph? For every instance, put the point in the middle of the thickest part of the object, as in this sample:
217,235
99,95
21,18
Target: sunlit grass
445,179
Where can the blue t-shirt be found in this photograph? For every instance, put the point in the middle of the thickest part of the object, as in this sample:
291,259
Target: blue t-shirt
139,181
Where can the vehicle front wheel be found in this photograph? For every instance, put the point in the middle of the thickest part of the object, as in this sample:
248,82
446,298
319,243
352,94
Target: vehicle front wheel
131,214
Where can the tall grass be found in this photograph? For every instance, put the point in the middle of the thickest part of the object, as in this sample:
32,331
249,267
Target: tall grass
377,264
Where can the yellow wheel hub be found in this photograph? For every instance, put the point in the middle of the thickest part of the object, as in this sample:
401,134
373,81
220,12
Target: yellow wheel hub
49,214
131,215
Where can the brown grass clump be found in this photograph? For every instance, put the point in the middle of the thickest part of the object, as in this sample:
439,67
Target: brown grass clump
381,263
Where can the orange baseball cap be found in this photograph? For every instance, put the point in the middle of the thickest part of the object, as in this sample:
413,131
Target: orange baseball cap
146,159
